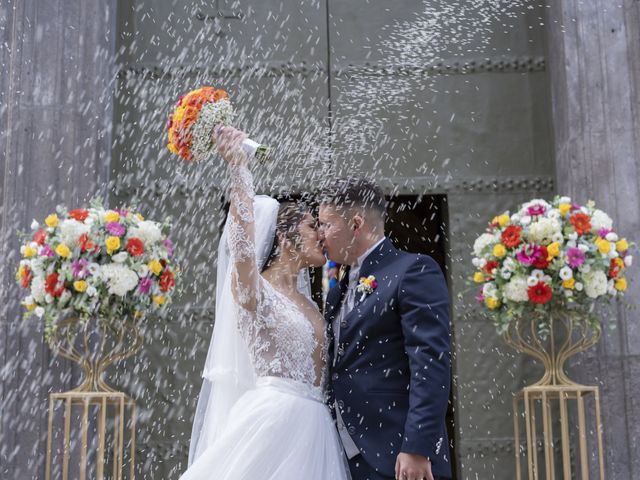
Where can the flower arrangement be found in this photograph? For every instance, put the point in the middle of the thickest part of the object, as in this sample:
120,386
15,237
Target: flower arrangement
549,256
96,263
366,285
196,115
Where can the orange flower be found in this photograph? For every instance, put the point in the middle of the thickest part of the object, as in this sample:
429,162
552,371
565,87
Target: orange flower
581,222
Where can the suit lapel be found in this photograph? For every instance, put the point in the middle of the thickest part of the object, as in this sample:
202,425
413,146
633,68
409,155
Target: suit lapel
377,259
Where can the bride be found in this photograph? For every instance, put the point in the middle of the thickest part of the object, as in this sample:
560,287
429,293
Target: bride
261,413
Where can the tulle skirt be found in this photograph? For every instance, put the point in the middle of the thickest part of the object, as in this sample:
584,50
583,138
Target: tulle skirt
281,430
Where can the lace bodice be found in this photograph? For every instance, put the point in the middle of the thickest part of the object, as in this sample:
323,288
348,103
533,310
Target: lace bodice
280,338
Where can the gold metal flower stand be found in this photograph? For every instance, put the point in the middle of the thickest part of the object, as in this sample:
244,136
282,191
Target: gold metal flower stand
555,402
113,405
89,410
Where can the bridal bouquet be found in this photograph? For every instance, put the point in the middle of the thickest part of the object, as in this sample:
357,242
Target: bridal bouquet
196,115
96,263
557,255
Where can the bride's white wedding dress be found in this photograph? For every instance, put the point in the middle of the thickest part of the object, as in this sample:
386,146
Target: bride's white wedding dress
279,427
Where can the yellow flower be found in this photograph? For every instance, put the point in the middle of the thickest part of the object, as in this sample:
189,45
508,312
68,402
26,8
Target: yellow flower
158,300
29,251
478,277
30,306
622,245
80,286
564,208
137,314
21,272
51,220
492,303
155,266
113,244
621,284
499,250
604,246
63,251
111,216
553,249
503,219
139,216
569,283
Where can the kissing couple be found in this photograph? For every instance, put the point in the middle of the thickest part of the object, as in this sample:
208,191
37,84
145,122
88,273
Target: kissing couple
359,392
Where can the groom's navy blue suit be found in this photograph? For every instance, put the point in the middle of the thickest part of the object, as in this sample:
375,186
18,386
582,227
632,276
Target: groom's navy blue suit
391,376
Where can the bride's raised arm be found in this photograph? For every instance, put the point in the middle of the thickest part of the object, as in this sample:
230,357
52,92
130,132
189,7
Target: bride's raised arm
240,223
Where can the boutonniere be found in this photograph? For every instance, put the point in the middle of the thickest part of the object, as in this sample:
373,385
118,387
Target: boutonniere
366,285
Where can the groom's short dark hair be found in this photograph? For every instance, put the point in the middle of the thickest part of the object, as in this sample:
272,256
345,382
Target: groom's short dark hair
354,192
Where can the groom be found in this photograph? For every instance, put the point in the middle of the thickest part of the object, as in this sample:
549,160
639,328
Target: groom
389,342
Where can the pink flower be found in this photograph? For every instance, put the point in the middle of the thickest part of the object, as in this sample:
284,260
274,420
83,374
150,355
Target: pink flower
536,210
168,244
144,286
575,256
603,232
80,268
529,253
47,251
115,228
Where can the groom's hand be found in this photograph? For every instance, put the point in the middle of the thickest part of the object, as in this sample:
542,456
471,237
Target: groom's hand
228,142
411,466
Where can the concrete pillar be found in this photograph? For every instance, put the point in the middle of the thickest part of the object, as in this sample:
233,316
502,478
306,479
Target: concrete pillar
594,67
57,74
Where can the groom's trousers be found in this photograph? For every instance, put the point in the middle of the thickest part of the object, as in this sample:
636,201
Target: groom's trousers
360,470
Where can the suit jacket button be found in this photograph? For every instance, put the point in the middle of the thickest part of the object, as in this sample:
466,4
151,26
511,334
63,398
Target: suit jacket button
334,376
341,404
351,430
343,323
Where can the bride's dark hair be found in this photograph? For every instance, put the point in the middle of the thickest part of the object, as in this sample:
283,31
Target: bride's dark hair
290,214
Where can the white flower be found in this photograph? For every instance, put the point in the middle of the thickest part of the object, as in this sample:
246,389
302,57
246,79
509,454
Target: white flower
532,281
537,274
91,291
564,200
482,242
505,273
28,300
509,264
612,236
554,214
585,268
583,248
70,231
547,279
37,266
595,284
142,270
543,230
613,253
573,236
39,311
578,286
526,220
150,233
568,293
48,298
571,244
489,289
34,225
515,218
566,273
628,260
558,237
516,289
37,288
120,257
600,220
119,278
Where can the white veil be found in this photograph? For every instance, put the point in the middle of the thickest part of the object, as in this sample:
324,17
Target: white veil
228,372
